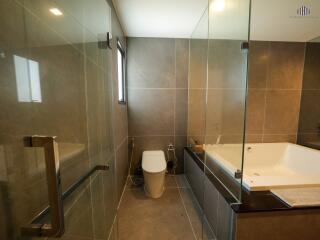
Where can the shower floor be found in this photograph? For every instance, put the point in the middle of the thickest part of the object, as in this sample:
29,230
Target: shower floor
176,215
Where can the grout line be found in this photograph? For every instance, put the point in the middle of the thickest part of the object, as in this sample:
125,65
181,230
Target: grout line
184,206
175,93
112,226
264,116
137,136
124,189
143,88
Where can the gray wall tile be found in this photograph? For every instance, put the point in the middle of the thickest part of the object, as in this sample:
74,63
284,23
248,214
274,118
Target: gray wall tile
157,93
275,81
151,63
151,112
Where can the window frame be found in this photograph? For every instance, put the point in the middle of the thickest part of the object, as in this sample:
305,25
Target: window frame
121,50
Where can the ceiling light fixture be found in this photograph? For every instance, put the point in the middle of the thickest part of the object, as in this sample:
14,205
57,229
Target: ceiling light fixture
219,5
55,11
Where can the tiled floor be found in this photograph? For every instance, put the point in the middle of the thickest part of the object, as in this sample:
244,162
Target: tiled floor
176,215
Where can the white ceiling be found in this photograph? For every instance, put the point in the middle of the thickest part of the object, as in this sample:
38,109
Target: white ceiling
159,18
271,20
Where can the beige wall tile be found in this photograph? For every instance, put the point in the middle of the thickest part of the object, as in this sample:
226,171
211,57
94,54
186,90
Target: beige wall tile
254,138
273,138
226,64
286,65
282,112
311,68
255,111
259,55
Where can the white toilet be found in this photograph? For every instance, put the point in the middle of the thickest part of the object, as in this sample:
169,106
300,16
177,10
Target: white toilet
154,167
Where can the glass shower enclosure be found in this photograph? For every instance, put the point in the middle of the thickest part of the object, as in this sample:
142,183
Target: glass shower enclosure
217,106
56,147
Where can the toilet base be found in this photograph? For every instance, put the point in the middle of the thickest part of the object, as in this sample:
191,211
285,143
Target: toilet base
154,184
154,195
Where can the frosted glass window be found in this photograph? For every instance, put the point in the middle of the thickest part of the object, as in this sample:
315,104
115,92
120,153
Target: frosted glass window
121,74
27,79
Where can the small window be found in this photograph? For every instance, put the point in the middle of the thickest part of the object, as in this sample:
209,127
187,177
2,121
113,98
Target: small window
27,79
121,73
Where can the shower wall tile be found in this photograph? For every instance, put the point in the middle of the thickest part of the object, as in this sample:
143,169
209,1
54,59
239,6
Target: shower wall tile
12,33
198,63
225,111
122,167
310,112
258,64
151,112
309,122
157,94
311,78
182,63
181,112
282,112
273,138
255,111
196,114
226,64
275,82
286,65
100,228
254,138
151,63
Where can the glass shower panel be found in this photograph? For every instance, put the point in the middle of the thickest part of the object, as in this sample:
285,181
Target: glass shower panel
226,91
198,81
196,117
55,81
309,117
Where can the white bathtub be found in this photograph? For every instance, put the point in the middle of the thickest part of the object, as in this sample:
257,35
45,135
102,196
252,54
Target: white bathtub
269,165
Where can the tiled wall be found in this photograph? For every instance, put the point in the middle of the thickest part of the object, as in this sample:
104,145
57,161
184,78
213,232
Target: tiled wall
157,75
120,114
309,123
275,82
216,91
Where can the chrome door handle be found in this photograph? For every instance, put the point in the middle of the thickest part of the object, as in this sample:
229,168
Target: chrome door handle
56,227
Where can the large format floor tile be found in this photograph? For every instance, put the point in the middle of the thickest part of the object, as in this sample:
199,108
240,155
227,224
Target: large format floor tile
176,215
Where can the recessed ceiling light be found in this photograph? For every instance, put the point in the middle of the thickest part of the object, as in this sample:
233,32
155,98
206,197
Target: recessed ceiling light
55,11
219,5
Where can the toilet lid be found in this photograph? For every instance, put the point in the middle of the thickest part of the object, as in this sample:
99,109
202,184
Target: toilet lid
153,161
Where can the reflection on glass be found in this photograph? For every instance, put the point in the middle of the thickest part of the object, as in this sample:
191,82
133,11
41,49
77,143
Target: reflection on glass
121,83
56,11
27,79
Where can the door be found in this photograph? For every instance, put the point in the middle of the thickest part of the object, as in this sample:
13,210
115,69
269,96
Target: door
55,76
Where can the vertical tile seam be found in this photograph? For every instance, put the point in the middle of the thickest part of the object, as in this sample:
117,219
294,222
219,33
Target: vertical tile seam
175,92
265,94
302,80
185,209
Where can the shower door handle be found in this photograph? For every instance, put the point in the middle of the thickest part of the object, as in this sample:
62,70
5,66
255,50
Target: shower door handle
56,226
